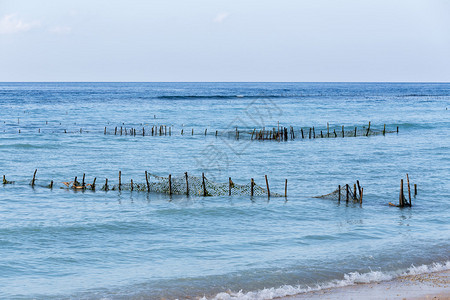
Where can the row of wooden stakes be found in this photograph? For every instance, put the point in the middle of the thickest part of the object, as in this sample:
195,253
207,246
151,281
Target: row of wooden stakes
402,201
76,185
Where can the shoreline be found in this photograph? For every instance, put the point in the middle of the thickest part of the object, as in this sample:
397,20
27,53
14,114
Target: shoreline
433,285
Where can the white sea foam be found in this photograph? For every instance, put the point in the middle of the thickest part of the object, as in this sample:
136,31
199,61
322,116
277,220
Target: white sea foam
349,279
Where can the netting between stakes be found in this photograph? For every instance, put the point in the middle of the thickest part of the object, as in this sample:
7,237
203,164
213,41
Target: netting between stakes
192,185
334,195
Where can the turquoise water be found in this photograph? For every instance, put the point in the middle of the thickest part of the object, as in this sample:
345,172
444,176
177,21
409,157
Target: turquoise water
62,243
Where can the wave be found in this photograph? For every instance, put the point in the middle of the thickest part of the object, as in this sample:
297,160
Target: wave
349,279
189,97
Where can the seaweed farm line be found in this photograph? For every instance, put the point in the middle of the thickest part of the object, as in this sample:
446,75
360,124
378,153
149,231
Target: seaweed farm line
275,133
172,185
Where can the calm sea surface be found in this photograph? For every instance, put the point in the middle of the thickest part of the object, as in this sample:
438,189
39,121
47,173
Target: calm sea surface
62,243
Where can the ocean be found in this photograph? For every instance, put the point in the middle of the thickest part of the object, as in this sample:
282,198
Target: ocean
82,244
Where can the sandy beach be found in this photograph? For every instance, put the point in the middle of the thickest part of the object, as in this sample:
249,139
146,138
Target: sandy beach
423,286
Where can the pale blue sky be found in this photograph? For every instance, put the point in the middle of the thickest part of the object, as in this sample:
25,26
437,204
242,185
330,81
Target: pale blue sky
174,40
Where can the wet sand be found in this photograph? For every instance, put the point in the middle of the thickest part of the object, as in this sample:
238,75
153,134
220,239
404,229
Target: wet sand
423,286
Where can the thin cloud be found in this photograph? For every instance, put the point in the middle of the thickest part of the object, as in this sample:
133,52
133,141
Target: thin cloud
60,30
11,24
221,17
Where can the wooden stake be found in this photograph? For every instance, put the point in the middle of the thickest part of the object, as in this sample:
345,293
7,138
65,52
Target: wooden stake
131,185
346,187
361,195
384,129
82,182
355,131
75,181
204,185
120,180
401,196
143,131
4,179
314,133
106,184
310,130
252,184
285,188
321,134
302,133
170,184
409,189
51,184
34,178
415,189
146,180
93,184
229,186
206,130
267,185
354,191
104,132
343,131
359,187
187,183
339,191
328,129
115,131
397,129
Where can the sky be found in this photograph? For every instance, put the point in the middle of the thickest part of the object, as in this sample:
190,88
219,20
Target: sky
225,40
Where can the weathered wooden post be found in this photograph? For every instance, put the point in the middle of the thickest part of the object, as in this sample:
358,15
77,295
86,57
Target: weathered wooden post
346,187
187,183
120,130
409,189
75,182
343,131
204,184
206,130
146,180
120,180
401,197
339,193
354,191
93,184
384,129
34,178
51,185
4,179
359,187
229,186
285,188
361,195
415,189
115,131
368,130
355,131
82,182
131,188
104,132
192,131
328,129
321,134
397,129
252,184
267,185
106,184
314,133
170,184
143,131
301,129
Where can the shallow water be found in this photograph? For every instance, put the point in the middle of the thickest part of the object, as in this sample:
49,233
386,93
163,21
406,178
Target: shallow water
81,244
